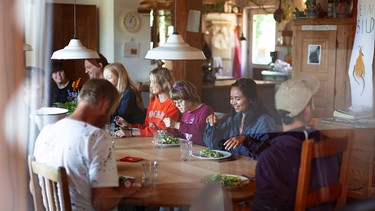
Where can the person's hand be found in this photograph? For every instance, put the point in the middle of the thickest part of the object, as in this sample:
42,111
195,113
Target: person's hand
212,119
167,121
121,121
129,186
234,142
171,123
123,133
120,133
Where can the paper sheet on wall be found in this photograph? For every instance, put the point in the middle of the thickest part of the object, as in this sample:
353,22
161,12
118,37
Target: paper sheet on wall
194,20
360,67
131,49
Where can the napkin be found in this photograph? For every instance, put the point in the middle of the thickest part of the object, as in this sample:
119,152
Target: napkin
130,159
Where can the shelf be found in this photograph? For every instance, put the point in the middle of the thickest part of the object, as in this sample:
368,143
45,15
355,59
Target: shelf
286,46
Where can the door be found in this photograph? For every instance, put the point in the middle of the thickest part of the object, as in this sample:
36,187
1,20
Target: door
61,24
315,54
261,30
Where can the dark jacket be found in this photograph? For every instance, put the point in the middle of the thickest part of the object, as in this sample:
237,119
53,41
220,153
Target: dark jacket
256,133
128,108
278,167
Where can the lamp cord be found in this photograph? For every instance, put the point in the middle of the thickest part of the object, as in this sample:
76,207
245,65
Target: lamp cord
75,34
175,17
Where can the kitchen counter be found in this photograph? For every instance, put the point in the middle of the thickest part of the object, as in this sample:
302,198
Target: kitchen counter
226,83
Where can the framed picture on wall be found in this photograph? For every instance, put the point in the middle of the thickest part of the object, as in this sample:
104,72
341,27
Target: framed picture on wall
131,49
314,54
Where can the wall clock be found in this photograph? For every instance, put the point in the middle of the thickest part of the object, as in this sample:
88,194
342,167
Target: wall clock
130,22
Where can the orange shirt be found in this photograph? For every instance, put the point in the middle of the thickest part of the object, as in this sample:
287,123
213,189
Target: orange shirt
156,112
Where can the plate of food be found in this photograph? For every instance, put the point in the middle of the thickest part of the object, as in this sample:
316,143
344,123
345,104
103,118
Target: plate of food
168,141
122,178
210,154
229,181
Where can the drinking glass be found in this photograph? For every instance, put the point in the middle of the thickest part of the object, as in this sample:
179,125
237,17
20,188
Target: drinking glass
150,172
186,148
159,137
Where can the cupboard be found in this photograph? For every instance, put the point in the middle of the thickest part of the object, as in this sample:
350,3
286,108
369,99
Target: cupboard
322,47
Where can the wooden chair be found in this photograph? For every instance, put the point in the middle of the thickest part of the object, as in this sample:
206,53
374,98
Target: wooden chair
332,142
54,195
144,90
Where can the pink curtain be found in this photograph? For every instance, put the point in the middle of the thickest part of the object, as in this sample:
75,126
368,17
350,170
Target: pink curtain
237,54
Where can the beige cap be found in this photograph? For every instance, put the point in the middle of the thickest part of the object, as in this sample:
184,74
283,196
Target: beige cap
294,95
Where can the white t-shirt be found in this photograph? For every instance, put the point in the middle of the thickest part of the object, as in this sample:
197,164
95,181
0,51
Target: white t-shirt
87,154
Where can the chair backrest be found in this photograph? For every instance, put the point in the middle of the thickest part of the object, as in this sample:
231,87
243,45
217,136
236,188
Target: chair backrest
49,187
332,142
144,90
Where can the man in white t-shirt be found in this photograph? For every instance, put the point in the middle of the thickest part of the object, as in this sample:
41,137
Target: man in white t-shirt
80,145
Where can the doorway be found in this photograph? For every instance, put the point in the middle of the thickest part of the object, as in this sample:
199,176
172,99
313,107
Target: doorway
261,36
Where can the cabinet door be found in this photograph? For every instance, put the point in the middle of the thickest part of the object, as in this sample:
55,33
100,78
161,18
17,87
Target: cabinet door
314,53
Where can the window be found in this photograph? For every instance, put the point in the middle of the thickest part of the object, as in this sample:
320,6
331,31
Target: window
263,38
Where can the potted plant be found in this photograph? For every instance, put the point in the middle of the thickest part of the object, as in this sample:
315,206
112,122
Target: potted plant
312,11
208,72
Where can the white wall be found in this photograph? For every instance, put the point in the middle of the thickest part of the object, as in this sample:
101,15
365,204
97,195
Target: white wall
138,68
111,38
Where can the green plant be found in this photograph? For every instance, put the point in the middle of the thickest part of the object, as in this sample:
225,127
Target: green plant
69,105
71,102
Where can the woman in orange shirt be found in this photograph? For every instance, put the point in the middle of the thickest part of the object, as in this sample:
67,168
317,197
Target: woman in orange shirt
160,106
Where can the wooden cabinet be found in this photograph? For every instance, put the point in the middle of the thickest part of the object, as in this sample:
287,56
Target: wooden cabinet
322,47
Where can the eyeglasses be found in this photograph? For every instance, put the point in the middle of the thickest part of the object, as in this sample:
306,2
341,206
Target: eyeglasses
178,102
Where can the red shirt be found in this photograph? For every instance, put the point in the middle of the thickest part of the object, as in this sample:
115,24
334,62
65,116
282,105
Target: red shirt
156,112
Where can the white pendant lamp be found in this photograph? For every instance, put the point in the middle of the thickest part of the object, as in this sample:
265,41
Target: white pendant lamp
175,48
75,49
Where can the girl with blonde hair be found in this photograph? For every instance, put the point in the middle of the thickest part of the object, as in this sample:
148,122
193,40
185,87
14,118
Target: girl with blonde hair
160,107
130,107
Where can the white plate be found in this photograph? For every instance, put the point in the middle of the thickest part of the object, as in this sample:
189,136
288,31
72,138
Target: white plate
166,145
244,180
225,153
127,177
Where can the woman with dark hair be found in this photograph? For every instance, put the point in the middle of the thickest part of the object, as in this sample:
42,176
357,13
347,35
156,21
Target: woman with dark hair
247,129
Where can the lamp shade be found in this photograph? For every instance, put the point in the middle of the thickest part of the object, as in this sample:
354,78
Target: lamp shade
75,50
175,49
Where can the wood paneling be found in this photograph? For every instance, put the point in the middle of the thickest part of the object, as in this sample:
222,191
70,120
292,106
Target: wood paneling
62,30
188,70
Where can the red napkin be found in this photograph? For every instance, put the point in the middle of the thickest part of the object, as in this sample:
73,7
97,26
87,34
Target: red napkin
130,159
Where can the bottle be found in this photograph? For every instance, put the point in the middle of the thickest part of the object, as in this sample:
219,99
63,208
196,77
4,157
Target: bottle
330,9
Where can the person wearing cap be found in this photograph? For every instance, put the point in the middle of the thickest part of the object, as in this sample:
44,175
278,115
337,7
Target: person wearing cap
61,86
278,166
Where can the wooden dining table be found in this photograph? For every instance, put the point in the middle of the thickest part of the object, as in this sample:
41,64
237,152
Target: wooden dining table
178,182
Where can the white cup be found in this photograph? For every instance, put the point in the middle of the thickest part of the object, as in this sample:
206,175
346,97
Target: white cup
150,172
186,148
